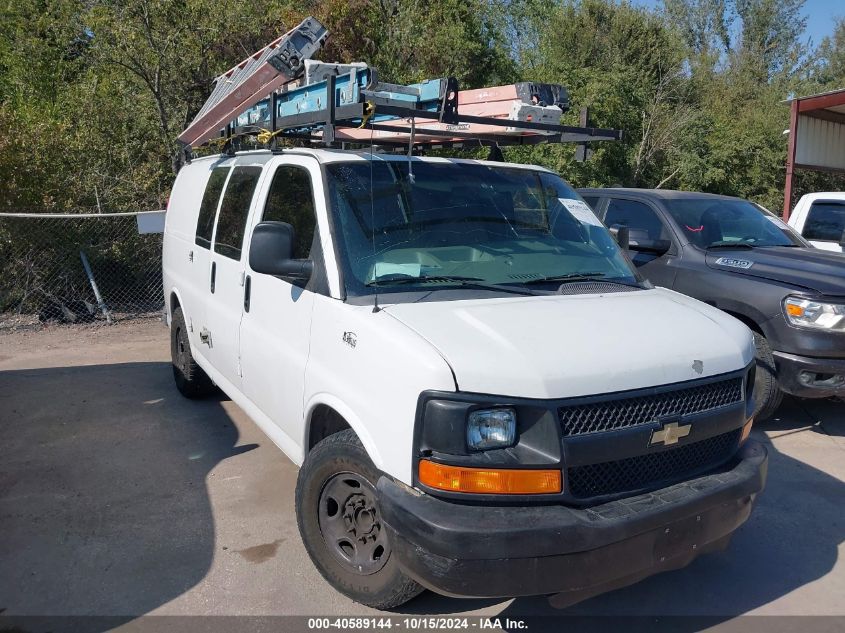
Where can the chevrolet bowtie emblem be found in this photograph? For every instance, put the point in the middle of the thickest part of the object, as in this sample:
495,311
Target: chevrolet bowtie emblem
669,434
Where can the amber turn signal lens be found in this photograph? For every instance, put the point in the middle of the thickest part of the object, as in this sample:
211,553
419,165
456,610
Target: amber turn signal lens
487,481
746,430
794,310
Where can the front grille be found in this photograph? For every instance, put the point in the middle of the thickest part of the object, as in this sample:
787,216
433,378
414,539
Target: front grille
644,471
610,415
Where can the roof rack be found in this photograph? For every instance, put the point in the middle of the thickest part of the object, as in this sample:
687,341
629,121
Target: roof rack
343,105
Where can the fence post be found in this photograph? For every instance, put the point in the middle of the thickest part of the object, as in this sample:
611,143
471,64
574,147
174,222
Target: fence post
100,303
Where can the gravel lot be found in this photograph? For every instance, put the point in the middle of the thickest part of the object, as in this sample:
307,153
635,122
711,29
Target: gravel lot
120,498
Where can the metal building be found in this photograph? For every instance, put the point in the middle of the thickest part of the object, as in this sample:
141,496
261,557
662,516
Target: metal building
816,137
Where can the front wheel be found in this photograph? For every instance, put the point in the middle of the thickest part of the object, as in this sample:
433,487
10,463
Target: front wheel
191,380
339,519
767,392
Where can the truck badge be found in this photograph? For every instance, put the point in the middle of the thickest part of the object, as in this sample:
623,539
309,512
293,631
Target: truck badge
730,262
669,434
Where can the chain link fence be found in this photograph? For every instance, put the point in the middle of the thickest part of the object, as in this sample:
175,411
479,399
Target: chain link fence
79,268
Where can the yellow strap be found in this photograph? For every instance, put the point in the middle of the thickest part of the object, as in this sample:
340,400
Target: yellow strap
222,140
265,136
369,111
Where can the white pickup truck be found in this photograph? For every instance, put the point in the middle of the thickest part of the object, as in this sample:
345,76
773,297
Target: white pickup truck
484,396
820,218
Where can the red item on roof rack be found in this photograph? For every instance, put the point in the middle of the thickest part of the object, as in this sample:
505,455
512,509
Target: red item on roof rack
538,103
277,64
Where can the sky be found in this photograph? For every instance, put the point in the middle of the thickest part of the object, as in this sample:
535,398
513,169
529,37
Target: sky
820,14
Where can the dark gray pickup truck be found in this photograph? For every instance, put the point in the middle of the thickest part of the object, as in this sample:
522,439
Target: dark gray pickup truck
737,256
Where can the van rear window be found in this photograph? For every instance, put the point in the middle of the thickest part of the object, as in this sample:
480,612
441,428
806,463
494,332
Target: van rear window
208,207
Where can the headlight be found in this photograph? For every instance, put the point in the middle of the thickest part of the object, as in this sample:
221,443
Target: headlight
491,428
814,314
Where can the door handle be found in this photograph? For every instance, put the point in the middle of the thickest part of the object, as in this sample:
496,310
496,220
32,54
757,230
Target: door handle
247,292
213,274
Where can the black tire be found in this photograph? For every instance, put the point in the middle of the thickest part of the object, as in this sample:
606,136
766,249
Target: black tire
767,392
191,380
341,457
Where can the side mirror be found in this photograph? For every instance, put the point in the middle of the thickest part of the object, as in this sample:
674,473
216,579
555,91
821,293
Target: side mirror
622,235
641,242
271,252
658,247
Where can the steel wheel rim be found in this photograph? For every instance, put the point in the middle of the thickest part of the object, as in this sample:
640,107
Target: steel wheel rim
181,356
351,525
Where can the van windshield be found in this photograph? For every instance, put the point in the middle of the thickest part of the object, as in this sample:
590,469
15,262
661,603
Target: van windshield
438,224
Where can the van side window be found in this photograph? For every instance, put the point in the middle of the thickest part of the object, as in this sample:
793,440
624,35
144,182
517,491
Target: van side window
825,222
291,200
635,215
234,210
208,207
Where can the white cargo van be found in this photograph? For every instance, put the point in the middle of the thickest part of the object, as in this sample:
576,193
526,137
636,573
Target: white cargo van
484,396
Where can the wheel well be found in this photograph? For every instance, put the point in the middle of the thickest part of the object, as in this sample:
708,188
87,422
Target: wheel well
174,302
325,421
749,322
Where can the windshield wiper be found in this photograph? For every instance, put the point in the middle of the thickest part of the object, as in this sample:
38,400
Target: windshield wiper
463,282
576,277
563,278
390,280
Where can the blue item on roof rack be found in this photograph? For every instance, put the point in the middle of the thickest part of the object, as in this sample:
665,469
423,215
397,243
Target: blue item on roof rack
357,86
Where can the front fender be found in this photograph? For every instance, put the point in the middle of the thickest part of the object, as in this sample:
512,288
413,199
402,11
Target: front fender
371,369
346,412
746,312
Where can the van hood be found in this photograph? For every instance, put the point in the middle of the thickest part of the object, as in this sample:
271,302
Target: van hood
810,268
563,346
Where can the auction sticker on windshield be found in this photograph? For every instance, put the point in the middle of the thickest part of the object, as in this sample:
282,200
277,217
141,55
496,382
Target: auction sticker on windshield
581,211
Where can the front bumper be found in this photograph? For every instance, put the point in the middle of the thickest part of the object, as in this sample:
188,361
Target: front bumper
507,551
807,377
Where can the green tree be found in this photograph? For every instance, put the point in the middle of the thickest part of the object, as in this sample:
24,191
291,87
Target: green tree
412,40
625,66
705,26
830,72
94,92
770,41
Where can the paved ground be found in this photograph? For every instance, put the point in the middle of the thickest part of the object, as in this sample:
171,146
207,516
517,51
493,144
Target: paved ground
118,497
